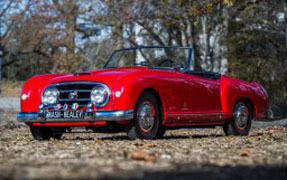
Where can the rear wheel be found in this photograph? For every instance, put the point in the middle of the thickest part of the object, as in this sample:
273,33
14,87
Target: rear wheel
44,133
240,123
147,121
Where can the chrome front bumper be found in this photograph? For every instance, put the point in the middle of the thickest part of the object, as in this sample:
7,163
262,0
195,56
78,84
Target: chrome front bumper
100,115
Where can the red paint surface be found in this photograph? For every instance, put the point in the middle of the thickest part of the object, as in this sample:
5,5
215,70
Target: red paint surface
185,95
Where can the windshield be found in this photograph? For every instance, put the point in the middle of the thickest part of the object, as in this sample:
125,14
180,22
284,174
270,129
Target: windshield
156,57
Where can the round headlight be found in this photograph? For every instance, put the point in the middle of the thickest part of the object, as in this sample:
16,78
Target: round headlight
100,95
50,95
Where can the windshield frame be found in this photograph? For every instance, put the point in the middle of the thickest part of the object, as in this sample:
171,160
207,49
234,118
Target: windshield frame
188,67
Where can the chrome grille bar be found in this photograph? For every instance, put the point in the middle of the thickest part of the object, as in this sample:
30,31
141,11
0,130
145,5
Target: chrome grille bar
78,90
81,88
78,99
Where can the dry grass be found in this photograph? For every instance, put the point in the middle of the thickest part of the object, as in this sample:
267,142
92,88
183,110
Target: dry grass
11,88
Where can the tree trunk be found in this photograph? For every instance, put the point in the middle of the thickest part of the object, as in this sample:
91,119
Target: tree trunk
117,35
285,13
206,45
1,57
71,21
196,49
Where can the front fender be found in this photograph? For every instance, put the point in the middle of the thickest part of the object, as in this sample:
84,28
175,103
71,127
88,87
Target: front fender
33,89
132,87
130,90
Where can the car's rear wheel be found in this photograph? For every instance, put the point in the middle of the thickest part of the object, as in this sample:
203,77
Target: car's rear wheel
147,121
240,123
45,133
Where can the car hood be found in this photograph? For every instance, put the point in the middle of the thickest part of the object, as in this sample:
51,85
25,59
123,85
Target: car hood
101,75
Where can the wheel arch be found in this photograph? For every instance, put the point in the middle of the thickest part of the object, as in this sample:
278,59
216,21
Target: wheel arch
250,103
159,101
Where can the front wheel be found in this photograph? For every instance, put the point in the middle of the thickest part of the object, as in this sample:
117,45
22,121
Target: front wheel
147,121
240,123
44,133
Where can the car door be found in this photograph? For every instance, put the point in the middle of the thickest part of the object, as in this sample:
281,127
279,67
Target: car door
204,104
204,94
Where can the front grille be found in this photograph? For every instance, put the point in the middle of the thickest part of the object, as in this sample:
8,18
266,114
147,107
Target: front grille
82,88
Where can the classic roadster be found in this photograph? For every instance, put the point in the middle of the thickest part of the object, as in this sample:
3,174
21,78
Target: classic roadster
143,91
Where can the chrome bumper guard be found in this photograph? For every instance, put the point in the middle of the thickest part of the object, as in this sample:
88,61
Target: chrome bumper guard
100,115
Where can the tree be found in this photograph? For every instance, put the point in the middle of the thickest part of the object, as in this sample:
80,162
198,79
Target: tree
243,38
174,23
6,25
61,29
257,45
46,35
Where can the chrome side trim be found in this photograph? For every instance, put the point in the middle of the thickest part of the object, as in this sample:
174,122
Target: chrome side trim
114,115
196,115
101,115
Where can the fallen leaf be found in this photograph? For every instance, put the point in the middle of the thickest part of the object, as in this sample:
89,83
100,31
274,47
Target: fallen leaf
138,143
139,155
149,158
142,156
98,141
149,145
260,133
246,153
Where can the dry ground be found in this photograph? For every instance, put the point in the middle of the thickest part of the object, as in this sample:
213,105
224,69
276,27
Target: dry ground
181,154
11,88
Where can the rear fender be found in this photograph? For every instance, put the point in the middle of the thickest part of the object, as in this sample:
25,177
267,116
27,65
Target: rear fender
234,90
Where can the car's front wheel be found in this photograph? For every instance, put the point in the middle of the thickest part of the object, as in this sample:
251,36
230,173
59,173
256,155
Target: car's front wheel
147,121
45,133
240,123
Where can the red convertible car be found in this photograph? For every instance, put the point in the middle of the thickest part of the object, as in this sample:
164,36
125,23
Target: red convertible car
143,91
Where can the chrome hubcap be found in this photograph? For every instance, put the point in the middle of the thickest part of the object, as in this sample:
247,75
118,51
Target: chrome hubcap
146,116
241,116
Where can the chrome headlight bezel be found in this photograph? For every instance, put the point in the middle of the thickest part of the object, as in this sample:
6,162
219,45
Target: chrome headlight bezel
51,92
102,90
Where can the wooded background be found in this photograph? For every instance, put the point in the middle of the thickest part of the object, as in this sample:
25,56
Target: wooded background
245,39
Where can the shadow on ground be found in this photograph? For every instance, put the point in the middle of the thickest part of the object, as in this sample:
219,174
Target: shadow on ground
206,172
217,172
124,137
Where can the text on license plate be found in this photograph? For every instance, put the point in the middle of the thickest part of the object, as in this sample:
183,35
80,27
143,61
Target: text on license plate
77,114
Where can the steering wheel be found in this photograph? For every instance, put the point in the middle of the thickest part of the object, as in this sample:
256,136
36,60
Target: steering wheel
142,63
164,61
174,64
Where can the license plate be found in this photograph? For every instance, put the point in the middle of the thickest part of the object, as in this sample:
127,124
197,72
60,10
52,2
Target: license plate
77,114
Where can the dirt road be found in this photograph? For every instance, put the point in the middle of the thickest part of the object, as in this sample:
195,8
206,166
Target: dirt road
181,154
10,104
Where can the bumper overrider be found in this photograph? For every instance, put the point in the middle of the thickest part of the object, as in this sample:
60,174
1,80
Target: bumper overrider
99,115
